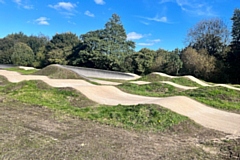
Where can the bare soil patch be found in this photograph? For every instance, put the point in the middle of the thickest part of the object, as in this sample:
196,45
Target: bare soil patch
35,132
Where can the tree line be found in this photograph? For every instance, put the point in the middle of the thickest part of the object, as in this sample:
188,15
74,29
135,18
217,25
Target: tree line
212,51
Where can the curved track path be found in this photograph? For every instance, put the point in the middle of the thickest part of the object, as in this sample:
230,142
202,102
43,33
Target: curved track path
206,116
194,79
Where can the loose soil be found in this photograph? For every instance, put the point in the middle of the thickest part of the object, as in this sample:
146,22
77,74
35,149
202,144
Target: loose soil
35,132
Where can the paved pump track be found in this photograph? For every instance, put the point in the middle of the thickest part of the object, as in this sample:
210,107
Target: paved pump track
206,116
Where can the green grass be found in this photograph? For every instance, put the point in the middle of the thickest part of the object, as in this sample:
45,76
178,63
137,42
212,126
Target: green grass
155,89
140,117
236,85
218,97
181,80
68,101
22,71
39,93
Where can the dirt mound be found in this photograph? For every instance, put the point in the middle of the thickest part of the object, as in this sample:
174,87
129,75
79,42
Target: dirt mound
58,72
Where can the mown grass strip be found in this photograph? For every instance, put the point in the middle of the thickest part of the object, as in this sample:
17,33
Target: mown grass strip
155,89
22,71
137,117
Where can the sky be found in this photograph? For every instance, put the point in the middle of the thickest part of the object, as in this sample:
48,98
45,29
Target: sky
150,24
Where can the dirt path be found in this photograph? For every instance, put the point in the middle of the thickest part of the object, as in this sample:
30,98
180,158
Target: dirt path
208,117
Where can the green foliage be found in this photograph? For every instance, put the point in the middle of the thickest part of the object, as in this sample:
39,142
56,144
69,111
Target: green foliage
105,48
18,37
234,56
60,47
211,35
167,62
141,61
198,64
140,117
22,55
36,42
6,50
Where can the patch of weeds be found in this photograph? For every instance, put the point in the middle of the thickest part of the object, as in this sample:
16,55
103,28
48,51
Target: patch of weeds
140,117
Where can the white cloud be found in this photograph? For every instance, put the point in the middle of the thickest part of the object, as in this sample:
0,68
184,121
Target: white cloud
42,21
156,18
134,36
101,2
28,6
149,42
155,40
63,5
194,7
17,1
143,22
145,44
22,4
88,13
2,1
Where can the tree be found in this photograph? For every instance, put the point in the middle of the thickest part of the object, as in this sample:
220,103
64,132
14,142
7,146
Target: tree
141,61
167,62
115,38
234,57
36,42
18,37
199,64
211,35
22,55
106,48
60,47
6,50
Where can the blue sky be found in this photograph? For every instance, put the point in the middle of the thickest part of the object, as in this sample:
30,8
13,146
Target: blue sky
152,24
